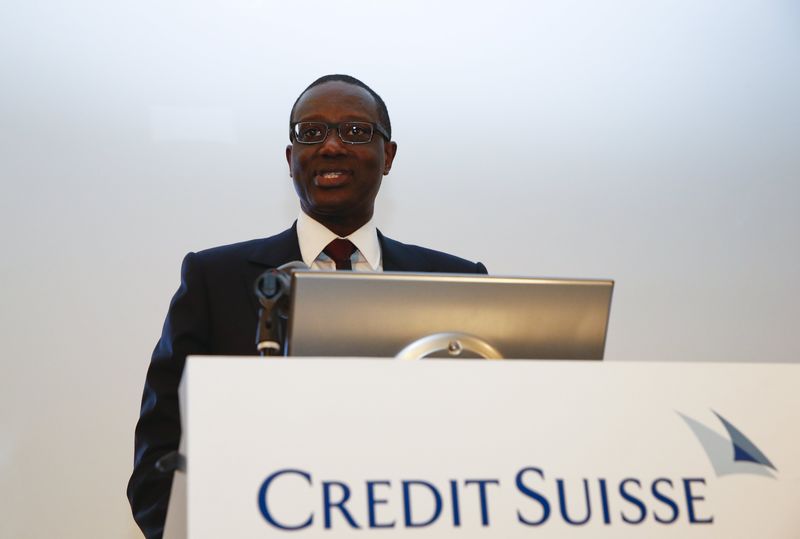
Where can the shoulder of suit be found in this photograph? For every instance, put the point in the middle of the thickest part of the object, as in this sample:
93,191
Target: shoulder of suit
245,249
436,261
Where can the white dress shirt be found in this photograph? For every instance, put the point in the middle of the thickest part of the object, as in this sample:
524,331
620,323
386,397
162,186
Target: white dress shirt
313,237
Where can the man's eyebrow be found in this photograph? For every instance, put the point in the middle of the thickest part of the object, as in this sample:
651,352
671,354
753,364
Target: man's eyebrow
314,117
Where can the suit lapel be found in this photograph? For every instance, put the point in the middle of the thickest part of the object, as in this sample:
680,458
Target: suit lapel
270,253
399,257
277,250
284,247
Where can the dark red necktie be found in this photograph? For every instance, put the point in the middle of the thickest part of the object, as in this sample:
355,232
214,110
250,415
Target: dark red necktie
340,251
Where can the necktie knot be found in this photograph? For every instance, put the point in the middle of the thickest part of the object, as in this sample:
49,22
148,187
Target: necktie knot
340,252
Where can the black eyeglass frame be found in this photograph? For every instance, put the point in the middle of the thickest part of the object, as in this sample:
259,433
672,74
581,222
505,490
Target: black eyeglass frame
328,126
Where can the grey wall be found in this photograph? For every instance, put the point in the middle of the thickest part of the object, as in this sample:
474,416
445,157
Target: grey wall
654,143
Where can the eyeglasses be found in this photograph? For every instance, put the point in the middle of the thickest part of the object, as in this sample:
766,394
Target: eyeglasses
349,132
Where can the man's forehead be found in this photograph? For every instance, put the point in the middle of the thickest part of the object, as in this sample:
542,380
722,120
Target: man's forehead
336,98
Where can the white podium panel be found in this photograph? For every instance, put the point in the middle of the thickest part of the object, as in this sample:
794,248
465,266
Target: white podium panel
457,448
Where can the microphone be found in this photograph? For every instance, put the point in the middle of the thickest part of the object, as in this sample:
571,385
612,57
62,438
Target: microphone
272,290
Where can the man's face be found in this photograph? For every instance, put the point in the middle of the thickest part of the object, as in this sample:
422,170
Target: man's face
337,182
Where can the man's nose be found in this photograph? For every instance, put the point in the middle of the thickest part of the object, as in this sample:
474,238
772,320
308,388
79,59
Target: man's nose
333,143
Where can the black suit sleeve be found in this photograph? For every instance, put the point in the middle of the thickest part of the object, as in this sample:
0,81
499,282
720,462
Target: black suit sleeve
186,331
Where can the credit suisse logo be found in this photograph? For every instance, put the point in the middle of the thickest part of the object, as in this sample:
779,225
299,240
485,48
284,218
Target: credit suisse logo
735,454
542,497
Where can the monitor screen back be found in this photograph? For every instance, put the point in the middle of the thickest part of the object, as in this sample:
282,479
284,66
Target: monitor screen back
379,314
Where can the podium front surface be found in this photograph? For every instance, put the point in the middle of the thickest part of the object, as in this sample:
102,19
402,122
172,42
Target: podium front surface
321,447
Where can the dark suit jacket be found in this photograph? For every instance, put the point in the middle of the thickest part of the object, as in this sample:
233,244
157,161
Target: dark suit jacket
215,312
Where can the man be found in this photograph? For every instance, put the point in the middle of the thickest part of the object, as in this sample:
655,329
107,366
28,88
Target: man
340,150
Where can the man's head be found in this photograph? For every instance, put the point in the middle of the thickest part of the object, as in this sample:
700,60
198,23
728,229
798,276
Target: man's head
337,180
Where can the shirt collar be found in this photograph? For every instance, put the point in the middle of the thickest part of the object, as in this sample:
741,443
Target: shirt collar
313,237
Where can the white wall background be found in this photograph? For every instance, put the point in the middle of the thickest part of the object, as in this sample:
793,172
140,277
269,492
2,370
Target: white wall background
655,143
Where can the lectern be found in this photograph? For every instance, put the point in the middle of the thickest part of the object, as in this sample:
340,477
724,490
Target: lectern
341,446
336,447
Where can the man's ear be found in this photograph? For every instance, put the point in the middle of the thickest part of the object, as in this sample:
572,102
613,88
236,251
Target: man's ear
289,158
389,151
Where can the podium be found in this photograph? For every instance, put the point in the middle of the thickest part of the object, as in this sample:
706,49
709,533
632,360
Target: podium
324,447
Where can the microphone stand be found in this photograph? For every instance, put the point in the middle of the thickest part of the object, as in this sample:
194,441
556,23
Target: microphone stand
272,289
269,334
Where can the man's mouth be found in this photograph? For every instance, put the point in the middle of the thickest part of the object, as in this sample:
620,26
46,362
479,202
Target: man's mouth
331,178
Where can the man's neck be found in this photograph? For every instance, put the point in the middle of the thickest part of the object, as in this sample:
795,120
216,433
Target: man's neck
314,236
342,226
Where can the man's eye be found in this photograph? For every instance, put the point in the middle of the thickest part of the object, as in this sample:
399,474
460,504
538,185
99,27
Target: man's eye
310,132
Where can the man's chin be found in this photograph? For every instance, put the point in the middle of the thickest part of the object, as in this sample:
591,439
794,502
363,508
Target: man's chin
337,212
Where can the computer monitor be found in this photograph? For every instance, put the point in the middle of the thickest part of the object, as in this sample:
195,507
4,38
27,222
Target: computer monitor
383,314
